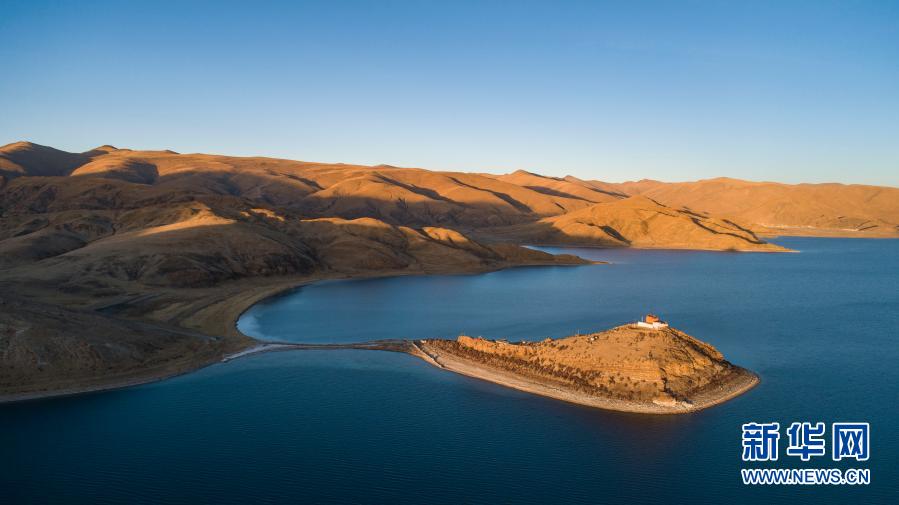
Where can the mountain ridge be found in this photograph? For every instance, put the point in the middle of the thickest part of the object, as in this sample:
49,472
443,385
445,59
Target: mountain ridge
467,201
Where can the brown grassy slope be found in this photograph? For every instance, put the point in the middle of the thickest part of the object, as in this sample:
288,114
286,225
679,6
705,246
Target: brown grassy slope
115,232
851,210
49,348
638,222
809,209
398,196
406,196
191,240
167,220
568,187
624,363
416,197
197,273
24,158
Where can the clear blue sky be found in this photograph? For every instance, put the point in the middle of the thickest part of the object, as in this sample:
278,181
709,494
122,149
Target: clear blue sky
789,91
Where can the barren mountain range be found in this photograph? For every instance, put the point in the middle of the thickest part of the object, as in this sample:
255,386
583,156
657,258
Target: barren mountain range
185,242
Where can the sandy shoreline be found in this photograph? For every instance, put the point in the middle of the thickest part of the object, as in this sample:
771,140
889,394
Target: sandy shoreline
737,383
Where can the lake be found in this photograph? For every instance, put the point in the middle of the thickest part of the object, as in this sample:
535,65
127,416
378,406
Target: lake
820,327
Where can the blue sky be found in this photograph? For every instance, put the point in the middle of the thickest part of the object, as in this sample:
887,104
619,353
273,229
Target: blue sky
788,91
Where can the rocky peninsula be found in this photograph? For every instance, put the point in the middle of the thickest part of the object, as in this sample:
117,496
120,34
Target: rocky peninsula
627,368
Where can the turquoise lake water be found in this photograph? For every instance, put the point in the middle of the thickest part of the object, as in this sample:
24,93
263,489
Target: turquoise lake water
820,327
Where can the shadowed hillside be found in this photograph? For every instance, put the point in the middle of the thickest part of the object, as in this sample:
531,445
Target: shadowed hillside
568,187
47,348
406,196
189,241
27,159
638,222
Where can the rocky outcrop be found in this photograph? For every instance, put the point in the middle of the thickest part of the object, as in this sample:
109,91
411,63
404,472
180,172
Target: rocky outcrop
625,368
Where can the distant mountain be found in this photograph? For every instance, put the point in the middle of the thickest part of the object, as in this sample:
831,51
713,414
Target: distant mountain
831,209
27,159
638,221
48,186
568,187
109,217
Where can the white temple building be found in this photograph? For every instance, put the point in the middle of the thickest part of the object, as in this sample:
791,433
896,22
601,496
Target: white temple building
652,322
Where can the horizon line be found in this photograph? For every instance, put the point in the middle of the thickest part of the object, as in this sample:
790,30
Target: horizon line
534,172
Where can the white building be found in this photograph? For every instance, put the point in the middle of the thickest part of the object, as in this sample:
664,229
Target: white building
652,322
